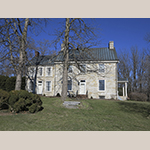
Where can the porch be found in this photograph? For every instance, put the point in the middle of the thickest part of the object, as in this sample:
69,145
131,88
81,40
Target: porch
122,93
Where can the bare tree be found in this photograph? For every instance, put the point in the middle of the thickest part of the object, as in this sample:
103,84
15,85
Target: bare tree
124,67
77,37
13,34
134,63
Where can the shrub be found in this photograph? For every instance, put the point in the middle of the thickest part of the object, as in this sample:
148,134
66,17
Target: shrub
138,96
4,97
20,105
23,101
34,108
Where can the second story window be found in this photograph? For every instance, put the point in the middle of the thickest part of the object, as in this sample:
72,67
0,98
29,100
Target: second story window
101,68
48,71
82,68
40,71
32,72
70,69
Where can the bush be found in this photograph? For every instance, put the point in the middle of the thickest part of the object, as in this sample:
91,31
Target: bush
138,96
3,81
4,97
21,101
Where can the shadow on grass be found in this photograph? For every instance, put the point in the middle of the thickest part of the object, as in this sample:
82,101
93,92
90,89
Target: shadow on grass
135,107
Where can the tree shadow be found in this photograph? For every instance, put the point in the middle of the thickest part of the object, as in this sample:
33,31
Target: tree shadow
134,107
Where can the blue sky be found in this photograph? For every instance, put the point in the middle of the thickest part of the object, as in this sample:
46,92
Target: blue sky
125,32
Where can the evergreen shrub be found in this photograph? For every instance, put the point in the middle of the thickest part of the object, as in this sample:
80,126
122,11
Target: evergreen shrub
21,101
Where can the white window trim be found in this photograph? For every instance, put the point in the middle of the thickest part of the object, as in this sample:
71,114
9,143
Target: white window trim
46,71
50,86
42,71
105,85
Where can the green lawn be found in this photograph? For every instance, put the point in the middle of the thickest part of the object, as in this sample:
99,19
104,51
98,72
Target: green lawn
96,115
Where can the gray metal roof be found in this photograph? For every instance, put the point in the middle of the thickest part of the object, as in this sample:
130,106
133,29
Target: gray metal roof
92,54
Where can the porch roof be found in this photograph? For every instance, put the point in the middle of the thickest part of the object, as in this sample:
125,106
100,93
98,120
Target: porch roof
122,80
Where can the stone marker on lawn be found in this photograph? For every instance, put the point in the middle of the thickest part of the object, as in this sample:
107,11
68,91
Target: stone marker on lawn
71,104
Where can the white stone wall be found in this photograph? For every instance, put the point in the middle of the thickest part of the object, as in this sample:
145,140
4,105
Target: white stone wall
92,81
91,78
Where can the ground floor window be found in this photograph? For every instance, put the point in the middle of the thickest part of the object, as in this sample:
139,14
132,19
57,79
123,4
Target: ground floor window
69,85
48,86
101,85
101,97
31,85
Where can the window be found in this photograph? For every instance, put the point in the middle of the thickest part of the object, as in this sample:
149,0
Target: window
32,71
101,68
69,85
101,85
31,85
41,71
48,86
48,71
82,68
70,69
101,97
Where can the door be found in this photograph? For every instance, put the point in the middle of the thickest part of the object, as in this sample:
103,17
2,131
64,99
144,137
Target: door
39,87
82,87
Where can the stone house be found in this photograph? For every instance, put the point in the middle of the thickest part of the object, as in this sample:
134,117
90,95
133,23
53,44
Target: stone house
92,73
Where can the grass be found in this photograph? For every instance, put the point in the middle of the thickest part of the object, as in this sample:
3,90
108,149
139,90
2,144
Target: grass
93,115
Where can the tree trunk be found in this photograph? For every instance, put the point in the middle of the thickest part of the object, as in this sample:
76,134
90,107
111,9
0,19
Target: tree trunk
22,56
18,80
65,63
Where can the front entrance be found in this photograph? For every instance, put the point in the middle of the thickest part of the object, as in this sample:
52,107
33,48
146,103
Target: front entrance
39,87
82,87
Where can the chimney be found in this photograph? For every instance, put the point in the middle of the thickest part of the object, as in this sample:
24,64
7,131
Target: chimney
111,45
37,54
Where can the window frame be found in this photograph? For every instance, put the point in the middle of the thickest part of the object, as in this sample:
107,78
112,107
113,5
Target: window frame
70,69
31,84
104,85
46,73
32,73
102,68
46,90
68,84
82,68
39,72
